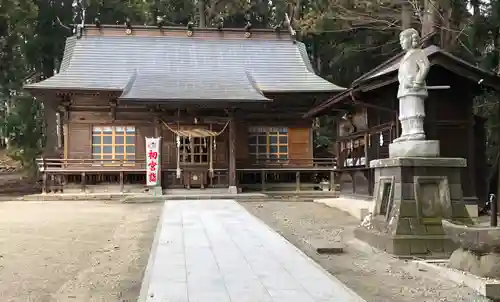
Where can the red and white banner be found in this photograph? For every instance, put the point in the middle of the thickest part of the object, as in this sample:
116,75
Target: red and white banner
153,161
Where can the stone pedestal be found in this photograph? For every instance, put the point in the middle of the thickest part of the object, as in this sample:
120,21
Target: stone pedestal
414,148
411,197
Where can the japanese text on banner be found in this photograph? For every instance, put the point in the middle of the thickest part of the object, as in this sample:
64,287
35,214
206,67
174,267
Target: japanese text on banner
152,161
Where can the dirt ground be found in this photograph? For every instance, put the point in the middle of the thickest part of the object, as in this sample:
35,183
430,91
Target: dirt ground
374,275
74,251
16,184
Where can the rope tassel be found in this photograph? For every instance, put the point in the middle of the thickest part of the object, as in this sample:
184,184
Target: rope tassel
178,170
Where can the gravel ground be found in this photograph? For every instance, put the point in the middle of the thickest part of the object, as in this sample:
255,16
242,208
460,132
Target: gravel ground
374,275
74,251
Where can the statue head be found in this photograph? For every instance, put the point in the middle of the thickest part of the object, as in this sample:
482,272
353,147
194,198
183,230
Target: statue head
409,39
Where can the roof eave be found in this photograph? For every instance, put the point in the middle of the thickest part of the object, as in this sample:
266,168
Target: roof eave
318,110
34,87
489,79
304,91
156,100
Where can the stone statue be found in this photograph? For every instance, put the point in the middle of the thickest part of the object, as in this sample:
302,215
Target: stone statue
412,89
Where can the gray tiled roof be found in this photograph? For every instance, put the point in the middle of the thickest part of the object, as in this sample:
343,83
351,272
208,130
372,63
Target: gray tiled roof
430,51
169,67
187,85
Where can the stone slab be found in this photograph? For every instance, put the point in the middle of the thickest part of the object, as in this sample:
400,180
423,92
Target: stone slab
358,208
449,162
334,245
214,250
330,248
489,288
414,148
425,246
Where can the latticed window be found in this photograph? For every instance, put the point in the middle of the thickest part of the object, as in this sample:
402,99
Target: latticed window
113,142
268,143
194,150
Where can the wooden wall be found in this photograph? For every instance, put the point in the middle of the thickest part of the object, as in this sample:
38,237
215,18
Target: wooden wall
299,145
80,123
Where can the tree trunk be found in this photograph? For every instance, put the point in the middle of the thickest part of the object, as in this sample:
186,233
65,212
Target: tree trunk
8,110
49,114
430,18
476,18
202,13
496,43
406,15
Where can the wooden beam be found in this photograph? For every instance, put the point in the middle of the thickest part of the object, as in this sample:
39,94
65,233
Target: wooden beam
121,181
232,151
297,181
84,181
332,180
112,107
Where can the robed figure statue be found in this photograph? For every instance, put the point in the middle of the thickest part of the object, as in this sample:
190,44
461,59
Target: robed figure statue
412,89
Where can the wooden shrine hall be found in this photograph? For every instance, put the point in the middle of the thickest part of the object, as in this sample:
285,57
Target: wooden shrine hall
228,105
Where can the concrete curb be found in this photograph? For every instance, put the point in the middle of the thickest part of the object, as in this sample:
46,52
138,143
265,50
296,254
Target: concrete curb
143,295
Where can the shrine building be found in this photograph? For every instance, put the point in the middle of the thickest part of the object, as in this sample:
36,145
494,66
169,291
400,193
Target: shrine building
228,104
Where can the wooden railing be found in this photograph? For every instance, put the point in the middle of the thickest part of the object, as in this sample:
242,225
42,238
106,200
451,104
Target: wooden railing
138,165
87,164
265,174
286,164
357,149
296,173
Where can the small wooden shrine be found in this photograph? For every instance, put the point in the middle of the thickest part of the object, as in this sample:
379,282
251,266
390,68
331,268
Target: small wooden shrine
367,120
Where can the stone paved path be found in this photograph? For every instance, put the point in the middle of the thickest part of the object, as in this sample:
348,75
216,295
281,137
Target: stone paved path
215,251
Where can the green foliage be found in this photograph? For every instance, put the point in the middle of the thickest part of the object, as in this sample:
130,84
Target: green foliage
24,130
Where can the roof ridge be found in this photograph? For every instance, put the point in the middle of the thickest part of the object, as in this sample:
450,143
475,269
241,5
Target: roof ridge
253,83
378,68
130,82
69,49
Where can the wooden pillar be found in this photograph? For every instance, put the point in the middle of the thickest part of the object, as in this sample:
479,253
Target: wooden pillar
157,126
62,126
367,138
353,181
122,185
122,176
332,181
44,176
297,181
263,180
471,160
232,155
44,185
84,181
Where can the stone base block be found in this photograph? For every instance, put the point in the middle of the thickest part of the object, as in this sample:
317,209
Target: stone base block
407,245
233,190
156,191
416,148
479,264
335,246
487,287
418,162
412,195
